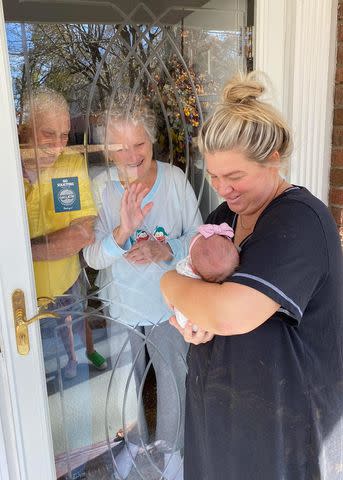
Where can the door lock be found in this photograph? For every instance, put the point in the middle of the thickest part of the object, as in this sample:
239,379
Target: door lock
21,323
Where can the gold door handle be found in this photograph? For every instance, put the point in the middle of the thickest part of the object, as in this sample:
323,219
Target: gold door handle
21,323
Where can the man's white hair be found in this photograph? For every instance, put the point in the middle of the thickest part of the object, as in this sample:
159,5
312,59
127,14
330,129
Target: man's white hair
42,101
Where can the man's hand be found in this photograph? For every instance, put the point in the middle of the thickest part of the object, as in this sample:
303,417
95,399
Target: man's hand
65,242
84,231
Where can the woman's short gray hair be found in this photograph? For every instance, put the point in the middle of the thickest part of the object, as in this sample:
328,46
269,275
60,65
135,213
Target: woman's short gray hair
244,123
138,114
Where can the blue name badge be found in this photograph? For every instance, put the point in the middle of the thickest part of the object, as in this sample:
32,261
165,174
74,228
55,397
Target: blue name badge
66,194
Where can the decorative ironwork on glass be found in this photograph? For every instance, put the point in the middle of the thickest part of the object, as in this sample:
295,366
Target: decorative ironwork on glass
137,90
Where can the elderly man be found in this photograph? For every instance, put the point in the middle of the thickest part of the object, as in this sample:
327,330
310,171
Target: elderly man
61,215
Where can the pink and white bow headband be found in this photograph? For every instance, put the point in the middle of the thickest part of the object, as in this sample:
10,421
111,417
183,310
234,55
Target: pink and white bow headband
209,229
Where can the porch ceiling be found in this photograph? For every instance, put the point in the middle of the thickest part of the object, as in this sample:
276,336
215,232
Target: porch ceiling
98,11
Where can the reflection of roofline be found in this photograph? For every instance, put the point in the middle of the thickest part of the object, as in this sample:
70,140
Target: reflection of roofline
97,11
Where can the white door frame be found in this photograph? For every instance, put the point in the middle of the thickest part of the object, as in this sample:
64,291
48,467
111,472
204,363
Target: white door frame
24,425
300,62
299,54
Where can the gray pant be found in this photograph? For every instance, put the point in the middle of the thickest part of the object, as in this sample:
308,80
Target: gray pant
167,351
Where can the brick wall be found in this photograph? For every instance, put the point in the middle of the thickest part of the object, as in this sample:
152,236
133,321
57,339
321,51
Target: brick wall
336,173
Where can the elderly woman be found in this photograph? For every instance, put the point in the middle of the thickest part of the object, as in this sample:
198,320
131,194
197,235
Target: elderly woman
147,216
265,381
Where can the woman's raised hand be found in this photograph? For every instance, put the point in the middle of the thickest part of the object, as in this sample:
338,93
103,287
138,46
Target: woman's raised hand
131,212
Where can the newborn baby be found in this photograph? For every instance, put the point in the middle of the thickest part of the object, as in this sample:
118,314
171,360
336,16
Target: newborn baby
212,257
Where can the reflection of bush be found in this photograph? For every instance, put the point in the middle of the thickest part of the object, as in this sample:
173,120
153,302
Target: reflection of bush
179,99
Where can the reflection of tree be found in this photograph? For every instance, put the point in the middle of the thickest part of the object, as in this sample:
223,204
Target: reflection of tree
68,58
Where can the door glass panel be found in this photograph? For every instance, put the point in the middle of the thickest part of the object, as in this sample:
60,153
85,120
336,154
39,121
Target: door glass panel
96,105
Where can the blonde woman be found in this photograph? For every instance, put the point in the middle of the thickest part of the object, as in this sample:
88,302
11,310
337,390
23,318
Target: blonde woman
265,381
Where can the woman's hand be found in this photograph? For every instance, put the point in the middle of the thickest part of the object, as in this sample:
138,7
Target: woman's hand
191,332
131,212
191,336
149,251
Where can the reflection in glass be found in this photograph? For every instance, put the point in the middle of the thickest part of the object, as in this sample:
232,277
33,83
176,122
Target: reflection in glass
112,361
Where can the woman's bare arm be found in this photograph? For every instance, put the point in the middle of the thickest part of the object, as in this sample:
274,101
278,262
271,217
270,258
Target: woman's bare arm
222,309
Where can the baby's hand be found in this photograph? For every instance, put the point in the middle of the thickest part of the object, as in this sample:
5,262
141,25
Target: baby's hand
182,320
191,333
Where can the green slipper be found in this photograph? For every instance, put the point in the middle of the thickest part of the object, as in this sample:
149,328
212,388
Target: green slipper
97,360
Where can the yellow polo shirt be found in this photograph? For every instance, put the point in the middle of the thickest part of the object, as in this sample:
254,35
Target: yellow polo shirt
61,195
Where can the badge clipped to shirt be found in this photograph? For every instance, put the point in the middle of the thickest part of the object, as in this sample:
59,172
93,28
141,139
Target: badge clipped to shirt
66,194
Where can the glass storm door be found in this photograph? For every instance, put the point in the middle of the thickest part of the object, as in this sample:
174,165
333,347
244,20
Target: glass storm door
99,108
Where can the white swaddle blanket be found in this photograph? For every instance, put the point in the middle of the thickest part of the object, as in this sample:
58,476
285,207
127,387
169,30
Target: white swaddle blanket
184,267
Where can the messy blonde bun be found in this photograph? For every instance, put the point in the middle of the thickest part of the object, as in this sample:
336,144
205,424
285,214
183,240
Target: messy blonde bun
244,122
239,91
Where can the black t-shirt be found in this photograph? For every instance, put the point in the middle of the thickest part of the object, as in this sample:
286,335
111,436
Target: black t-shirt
268,405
